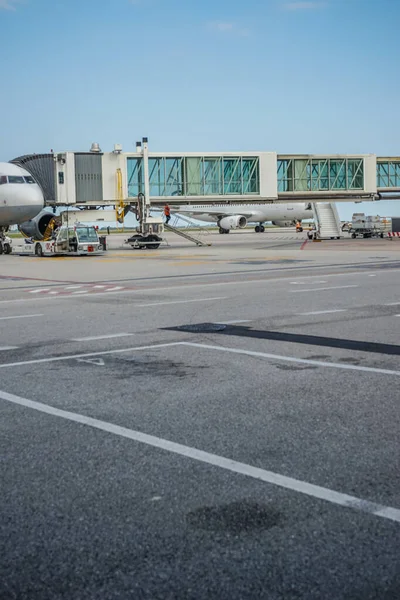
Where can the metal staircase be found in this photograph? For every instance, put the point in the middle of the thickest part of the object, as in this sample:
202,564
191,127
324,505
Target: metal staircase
49,229
186,235
189,224
327,220
184,231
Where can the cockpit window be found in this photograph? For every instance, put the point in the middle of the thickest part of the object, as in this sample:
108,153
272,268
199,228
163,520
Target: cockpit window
29,179
3,179
15,179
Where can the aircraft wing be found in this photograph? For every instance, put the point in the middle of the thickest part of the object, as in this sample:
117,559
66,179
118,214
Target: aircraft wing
216,211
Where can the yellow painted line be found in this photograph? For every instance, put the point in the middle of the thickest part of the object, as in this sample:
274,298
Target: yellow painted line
189,263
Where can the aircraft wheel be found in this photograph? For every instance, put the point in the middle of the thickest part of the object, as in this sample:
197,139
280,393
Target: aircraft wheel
7,248
227,231
262,228
38,250
1,248
221,230
257,229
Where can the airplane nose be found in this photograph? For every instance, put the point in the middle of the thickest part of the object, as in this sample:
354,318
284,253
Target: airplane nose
36,196
31,200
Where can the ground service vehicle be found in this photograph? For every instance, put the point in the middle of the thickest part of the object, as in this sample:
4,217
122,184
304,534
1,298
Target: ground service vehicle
75,240
366,226
5,245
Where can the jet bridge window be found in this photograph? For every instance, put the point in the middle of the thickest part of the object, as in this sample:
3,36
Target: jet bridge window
15,179
196,176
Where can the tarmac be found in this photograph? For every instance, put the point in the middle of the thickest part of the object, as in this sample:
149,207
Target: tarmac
202,422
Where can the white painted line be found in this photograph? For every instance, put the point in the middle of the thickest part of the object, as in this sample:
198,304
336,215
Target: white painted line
305,361
94,294
128,292
101,337
99,362
73,287
324,312
85,355
99,286
146,290
208,347
233,322
392,304
54,293
114,289
8,348
180,302
289,483
371,275
37,291
305,282
20,317
336,287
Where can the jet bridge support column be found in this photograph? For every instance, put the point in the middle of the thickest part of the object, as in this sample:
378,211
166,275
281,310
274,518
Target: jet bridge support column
149,227
146,174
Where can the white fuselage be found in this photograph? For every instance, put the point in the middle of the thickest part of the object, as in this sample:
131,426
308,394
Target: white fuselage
254,213
21,198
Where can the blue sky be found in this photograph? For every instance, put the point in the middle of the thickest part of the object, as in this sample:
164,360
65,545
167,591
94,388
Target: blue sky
285,75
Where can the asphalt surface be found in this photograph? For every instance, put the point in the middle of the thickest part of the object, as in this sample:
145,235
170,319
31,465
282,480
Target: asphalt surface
199,423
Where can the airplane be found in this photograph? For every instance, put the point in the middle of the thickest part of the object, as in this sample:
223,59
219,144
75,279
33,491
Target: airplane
21,199
236,216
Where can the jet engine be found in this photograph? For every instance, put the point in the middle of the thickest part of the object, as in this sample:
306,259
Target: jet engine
284,223
37,226
232,222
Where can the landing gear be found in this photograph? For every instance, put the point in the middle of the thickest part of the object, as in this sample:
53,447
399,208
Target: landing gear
259,228
223,230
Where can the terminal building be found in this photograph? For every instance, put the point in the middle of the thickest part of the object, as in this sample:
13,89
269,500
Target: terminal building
110,178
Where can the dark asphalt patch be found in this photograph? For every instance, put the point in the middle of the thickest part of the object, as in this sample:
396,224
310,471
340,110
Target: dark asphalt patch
367,266
352,361
236,517
296,338
132,367
201,327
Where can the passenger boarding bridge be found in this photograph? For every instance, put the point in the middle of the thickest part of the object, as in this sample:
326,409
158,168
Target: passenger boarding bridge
97,178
